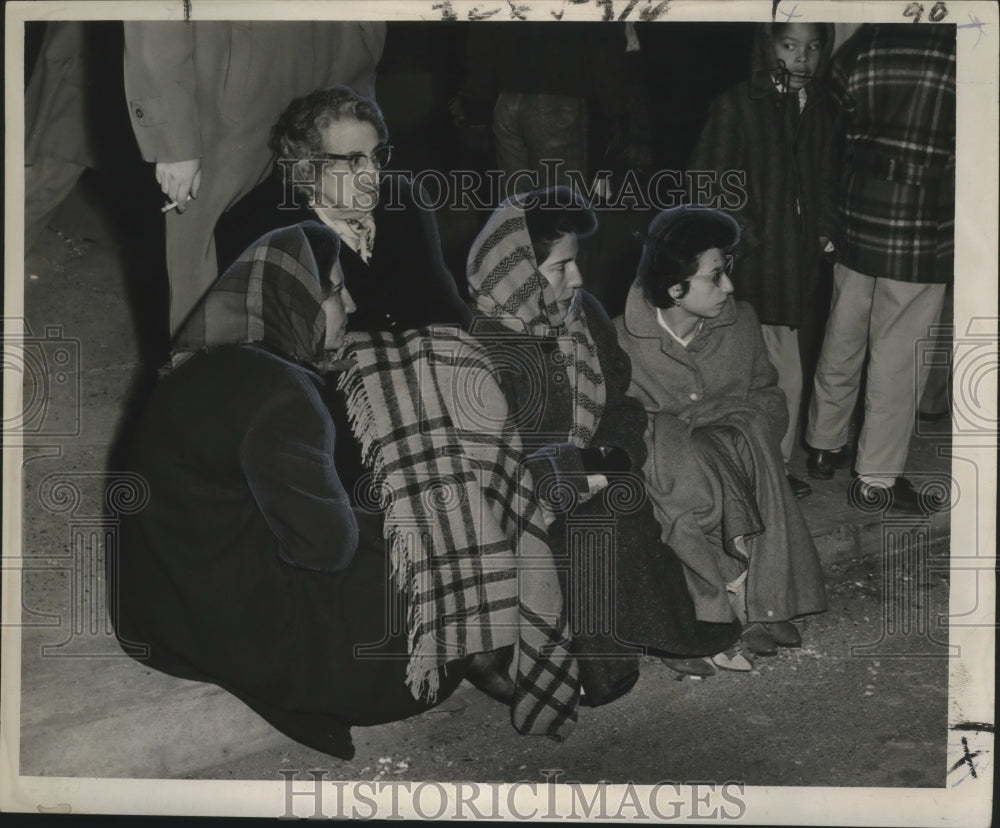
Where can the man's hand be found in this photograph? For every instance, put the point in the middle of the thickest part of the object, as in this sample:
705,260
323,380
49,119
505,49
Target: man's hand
179,180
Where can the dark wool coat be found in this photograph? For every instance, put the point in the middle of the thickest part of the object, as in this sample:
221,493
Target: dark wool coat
650,600
241,570
788,160
406,283
72,104
715,415
247,567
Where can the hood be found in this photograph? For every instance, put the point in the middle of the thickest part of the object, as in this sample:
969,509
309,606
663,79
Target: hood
504,280
764,67
271,295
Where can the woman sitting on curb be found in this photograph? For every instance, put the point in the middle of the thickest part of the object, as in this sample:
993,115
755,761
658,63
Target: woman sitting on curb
251,566
715,420
564,378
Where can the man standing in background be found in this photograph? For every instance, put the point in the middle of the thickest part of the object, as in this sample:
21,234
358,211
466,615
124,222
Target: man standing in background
896,88
203,96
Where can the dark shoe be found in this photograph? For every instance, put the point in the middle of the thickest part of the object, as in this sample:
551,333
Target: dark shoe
757,639
489,673
691,666
928,417
821,464
799,487
905,498
901,498
784,633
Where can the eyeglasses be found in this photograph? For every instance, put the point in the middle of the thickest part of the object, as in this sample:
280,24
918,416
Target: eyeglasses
358,161
717,274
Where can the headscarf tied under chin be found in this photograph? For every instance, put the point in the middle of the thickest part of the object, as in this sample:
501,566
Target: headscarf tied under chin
506,285
272,295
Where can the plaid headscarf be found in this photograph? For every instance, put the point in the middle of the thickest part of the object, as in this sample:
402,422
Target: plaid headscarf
468,544
272,294
505,284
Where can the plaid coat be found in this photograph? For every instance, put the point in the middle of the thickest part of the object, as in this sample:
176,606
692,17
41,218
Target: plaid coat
896,88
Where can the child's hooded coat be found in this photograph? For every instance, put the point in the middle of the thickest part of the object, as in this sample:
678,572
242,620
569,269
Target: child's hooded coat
788,160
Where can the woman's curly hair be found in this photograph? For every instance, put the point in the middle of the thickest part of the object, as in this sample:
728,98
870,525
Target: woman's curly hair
297,133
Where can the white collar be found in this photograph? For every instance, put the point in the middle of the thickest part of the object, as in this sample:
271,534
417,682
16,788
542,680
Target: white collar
684,341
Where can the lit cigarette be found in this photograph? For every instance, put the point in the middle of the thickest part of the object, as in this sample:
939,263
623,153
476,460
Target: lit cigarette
172,205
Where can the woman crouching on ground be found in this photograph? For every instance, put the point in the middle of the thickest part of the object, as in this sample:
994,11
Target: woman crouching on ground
716,417
250,567
565,378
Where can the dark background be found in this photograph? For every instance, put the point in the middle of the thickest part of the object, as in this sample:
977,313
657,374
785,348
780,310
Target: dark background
682,67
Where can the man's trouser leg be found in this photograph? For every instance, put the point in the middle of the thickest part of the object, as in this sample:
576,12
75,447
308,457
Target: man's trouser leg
902,314
782,345
47,182
838,372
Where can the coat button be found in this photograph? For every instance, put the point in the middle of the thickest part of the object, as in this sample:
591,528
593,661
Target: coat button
694,397
139,113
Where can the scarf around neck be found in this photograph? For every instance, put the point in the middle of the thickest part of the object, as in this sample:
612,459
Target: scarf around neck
356,228
506,285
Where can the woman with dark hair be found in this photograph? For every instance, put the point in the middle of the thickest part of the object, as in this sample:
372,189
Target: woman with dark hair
251,565
564,378
331,148
715,421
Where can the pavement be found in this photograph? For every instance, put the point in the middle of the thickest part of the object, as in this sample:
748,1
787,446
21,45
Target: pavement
864,702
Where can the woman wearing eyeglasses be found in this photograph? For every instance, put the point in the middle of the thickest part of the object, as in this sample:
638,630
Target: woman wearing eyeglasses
331,148
715,421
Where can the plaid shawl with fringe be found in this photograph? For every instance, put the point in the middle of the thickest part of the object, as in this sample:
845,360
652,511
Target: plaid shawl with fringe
467,541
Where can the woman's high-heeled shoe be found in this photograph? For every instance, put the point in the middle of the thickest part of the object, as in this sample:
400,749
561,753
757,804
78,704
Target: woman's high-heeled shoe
733,659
